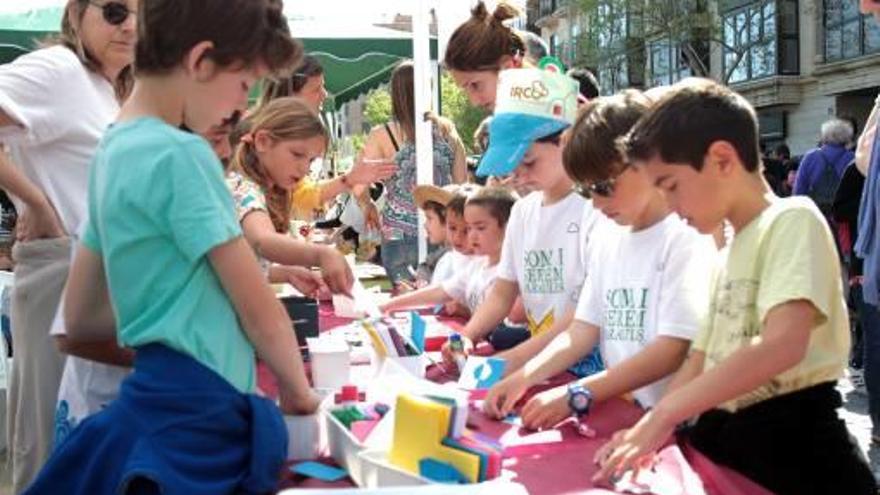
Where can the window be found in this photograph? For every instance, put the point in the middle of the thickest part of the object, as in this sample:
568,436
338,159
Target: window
848,33
750,42
666,65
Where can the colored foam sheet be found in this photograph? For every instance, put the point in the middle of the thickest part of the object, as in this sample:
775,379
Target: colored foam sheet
319,471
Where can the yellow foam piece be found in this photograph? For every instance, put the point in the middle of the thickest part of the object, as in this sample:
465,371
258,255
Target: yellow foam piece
378,345
420,424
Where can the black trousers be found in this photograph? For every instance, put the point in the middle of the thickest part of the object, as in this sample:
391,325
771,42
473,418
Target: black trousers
792,444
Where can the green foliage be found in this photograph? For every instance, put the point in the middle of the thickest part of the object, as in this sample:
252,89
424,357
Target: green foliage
457,108
357,142
377,109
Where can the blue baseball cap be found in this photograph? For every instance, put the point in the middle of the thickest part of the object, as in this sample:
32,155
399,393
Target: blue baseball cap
530,104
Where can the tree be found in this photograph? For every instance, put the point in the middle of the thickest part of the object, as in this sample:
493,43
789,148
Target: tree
622,35
457,108
377,109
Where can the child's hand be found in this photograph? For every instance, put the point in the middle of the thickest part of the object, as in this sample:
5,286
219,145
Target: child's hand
306,281
633,448
299,404
336,271
449,356
455,308
546,409
504,395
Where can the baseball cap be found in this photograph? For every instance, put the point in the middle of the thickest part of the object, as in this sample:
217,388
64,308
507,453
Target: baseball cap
530,104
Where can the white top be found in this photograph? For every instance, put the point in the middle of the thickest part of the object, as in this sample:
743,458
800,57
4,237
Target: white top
544,253
63,109
450,264
471,286
646,284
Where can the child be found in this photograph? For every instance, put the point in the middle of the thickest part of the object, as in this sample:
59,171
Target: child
285,136
643,316
485,213
163,245
542,258
432,200
762,371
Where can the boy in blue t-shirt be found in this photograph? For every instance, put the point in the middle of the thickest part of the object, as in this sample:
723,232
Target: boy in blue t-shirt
163,246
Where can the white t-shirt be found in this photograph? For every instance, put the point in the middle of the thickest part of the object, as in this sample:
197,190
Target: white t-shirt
471,286
544,253
646,284
444,269
63,109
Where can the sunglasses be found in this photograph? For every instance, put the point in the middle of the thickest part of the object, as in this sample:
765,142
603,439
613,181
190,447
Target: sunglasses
114,13
603,188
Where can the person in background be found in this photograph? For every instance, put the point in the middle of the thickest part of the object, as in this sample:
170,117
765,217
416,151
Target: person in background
587,83
55,104
821,168
536,48
307,82
395,140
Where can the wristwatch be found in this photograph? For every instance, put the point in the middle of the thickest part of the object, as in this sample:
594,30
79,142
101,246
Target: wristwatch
579,399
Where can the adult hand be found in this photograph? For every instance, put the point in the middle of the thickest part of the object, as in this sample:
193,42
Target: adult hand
39,222
503,396
547,409
364,173
300,403
335,271
633,448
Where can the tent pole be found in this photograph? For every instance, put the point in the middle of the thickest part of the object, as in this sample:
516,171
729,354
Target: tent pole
422,77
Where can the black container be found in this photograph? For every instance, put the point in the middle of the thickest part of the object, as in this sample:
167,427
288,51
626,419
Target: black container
303,312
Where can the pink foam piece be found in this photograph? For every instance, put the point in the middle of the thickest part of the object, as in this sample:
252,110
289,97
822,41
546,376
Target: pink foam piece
362,429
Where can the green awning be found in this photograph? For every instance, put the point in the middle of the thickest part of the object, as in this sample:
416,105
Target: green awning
356,59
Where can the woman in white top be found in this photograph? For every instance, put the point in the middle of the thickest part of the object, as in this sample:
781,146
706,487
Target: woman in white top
55,104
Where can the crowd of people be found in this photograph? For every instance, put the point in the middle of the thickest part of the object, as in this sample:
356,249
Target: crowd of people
155,208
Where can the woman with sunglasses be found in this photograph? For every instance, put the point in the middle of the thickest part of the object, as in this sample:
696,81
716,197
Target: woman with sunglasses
55,104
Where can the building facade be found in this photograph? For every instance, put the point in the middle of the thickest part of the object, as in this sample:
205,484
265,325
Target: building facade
799,62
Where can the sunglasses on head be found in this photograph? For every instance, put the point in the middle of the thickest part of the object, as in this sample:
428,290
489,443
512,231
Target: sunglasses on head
114,13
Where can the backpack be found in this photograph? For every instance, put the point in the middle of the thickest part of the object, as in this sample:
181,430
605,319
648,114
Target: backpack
825,188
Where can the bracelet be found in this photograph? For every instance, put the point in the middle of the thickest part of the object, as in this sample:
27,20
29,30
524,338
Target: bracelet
345,182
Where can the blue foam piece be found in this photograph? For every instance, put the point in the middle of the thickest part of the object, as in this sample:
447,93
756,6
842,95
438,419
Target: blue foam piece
418,331
319,471
439,471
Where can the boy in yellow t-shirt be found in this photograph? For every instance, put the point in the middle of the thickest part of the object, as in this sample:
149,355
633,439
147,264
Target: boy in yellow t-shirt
762,371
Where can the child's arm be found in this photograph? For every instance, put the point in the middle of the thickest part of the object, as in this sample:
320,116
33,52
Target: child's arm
431,295
520,355
783,344
303,279
494,309
265,322
562,352
285,250
88,314
361,174
690,369
106,352
656,361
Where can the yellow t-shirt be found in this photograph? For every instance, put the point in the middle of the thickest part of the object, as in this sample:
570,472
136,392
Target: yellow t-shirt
785,254
306,198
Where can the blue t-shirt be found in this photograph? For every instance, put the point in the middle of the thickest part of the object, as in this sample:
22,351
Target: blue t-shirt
157,204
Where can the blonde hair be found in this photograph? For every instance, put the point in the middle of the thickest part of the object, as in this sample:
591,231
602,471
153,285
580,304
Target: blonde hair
284,119
70,38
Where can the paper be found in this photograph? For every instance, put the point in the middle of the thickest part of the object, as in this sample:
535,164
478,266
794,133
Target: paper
319,471
481,372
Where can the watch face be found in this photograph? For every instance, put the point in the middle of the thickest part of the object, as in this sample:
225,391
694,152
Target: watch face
580,401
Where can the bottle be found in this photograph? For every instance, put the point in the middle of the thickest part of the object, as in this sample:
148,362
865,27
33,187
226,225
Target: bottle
456,345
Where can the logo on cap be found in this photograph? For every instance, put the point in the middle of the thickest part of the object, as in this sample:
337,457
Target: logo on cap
536,91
